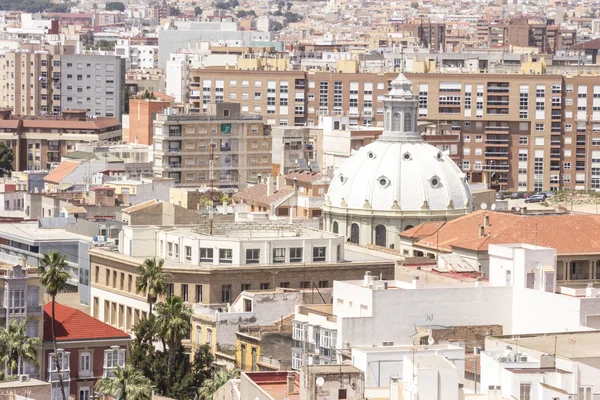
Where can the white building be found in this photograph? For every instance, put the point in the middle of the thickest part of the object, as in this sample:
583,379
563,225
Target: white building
176,77
396,182
523,266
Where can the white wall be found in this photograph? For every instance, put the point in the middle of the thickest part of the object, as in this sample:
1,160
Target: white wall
514,262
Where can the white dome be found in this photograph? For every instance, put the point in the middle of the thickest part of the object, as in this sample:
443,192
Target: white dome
402,176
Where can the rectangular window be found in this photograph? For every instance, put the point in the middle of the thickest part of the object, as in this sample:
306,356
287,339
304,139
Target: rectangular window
279,255
85,359
252,256
525,391
184,292
523,140
206,254
323,284
319,253
171,290
225,293
188,253
304,284
296,254
198,294
265,286
244,287
225,256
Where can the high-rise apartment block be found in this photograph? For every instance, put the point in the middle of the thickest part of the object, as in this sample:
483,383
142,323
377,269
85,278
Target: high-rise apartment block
512,131
241,148
41,83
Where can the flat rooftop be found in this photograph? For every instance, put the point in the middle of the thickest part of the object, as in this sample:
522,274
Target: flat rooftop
405,348
275,384
30,231
577,346
245,231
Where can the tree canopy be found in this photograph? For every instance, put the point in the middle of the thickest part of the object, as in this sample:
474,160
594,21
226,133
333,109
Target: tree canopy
6,159
115,6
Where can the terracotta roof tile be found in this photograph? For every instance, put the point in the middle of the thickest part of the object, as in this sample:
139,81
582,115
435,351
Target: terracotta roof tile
72,324
258,194
568,234
61,171
92,124
141,206
423,230
306,176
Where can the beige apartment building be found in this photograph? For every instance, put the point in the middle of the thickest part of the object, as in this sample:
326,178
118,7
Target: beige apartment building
512,131
240,144
30,82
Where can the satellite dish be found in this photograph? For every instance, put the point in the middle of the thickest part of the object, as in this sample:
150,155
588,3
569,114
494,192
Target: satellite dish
518,208
320,381
493,207
483,206
431,341
537,265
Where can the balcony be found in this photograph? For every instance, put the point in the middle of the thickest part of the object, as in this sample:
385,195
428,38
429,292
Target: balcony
171,134
580,155
496,167
85,374
497,103
53,375
52,147
496,140
496,154
173,150
581,143
554,155
503,88
555,143
172,166
2,312
497,128
34,310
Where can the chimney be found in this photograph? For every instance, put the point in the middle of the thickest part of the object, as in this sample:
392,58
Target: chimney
478,282
290,385
295,184
394,388
259,178
486,221
269,182
368,279
415,282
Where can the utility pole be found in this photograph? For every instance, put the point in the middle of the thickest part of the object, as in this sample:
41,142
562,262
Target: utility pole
211,172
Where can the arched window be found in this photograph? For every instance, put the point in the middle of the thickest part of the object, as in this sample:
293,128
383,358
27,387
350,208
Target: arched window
335,227
354,233
407,122
407,227
380,236
396,122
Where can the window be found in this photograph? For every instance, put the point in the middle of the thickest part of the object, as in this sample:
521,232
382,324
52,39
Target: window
198,294
567,165
171,290
539,127
244,287
85,359
225,293
184,292
478,138
113,358
206,254
523,140
279,255
284,284
585,393
304,284
188,253
84,393
209,337
525,391
319,253
170,248
323,284
252,256
296,254
225,256
342,394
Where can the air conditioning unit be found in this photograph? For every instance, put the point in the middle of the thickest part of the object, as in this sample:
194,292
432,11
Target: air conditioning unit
23,378
387,343
523,358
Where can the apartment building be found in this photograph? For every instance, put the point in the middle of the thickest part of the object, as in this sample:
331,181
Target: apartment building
239,143
21,297
30,82
95,83
39,143
216,268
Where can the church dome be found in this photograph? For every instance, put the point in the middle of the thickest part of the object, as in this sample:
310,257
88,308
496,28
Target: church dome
399,172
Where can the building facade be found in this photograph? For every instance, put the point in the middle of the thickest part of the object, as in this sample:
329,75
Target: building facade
240,145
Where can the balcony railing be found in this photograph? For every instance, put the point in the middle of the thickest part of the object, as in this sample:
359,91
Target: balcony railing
496,141
555,143
34,309
173,150
554,155
497,128
495,103
66,375
496,153
2,312
496,167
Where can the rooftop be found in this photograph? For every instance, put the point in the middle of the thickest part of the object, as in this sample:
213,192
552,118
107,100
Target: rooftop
258,194
275,384
32,232
505,228
72,324
61,171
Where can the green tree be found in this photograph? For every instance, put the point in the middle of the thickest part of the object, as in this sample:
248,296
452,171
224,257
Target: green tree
152,280
218,379
54,277
15,345
276,26
174,11
293,17
414,4
6,159
198,11
125,384
127,97
115,6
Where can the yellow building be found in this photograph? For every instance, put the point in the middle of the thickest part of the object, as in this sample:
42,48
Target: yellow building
21,296
265,348
204,332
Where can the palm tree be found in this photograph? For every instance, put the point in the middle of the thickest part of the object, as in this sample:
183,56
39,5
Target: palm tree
15,345
125,384
152,279
173,323
54,277
219,378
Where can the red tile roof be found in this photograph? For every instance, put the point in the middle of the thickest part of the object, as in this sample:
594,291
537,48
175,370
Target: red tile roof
568,234
72,324
305,176
61,171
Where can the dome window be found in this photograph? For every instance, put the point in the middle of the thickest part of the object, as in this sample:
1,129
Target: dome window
435,182
343,179
406,156
383,182
371,155
439,156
